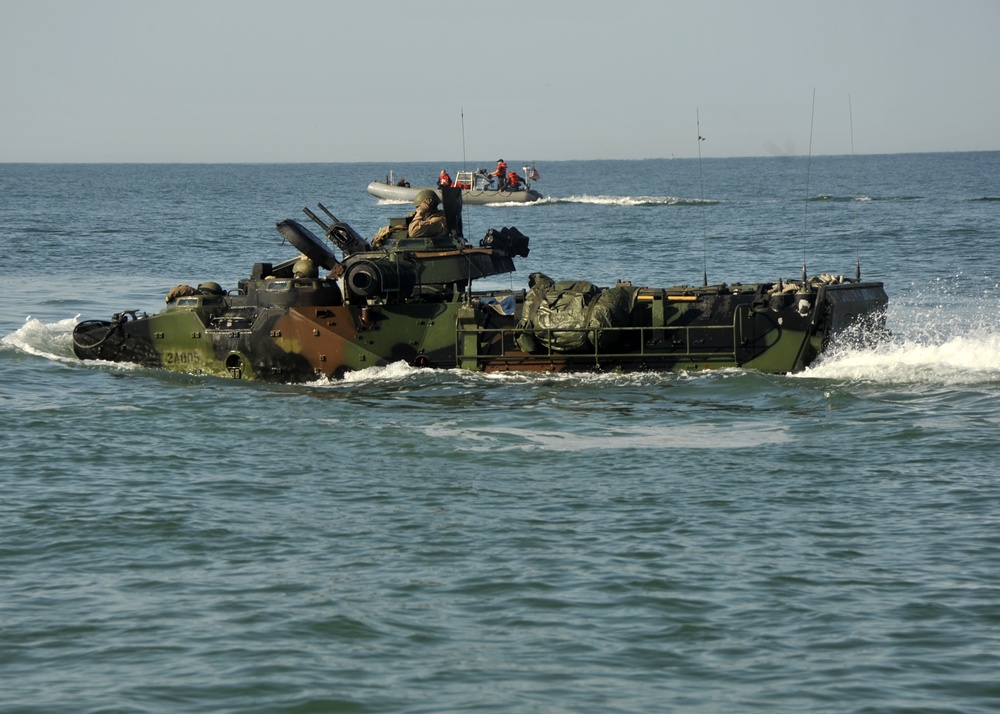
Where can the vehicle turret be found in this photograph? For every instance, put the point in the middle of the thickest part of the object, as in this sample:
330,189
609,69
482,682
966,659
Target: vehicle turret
403,267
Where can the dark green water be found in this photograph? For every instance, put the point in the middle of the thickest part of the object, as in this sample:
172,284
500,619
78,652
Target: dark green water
421,541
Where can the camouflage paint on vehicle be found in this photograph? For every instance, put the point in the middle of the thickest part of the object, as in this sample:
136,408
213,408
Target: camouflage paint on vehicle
411,300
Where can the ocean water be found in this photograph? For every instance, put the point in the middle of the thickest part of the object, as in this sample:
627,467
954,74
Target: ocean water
420,541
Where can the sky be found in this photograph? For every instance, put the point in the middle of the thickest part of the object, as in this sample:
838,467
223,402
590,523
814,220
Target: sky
210,81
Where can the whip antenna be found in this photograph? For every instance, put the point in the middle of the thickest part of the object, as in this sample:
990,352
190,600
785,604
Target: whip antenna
805,211
704,233
854,188
464,168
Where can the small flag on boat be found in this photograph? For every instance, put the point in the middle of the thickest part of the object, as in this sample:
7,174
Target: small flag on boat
533,175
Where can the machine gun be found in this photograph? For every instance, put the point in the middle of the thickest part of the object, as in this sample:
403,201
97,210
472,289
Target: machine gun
339,233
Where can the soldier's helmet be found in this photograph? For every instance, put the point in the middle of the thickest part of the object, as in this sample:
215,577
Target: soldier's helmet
423,195
211,288
305,268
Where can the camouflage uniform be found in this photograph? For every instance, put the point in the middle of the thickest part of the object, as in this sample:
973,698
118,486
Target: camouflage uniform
427,221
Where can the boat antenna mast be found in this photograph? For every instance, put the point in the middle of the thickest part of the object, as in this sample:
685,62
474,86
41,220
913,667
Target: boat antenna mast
464,167
704,232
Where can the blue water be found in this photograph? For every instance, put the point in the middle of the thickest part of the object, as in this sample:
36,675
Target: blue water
419,541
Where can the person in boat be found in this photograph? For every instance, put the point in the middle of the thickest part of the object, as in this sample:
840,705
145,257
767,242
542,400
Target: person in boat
444,180
501,175
514,182
403,182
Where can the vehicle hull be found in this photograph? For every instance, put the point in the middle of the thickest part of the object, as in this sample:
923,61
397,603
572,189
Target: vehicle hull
305,337
470,196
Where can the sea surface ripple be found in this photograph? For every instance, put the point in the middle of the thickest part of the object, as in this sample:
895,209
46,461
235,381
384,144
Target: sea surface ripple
441,541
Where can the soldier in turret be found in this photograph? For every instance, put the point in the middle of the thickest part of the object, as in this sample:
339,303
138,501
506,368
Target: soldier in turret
427,220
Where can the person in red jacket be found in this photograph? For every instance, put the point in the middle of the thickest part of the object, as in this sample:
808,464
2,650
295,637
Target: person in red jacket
501,175
444,180
514,182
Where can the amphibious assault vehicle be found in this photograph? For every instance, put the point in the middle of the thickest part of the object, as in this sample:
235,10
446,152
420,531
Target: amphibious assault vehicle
412,300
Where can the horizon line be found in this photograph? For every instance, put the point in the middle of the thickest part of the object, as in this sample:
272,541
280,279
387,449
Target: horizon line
435,161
